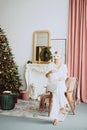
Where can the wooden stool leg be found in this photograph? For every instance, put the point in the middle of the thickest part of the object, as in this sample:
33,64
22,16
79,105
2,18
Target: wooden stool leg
69,101
50,104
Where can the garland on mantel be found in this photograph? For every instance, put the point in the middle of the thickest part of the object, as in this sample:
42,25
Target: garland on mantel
45,54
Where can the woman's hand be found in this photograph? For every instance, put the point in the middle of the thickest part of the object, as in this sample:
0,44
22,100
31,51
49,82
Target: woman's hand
50,72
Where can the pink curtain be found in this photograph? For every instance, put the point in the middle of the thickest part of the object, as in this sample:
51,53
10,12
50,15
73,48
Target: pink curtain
77,56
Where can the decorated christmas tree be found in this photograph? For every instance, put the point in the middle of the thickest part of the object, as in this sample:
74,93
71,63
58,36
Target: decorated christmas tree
9,76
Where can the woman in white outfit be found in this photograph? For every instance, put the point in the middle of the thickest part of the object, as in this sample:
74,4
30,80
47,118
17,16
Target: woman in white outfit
57,73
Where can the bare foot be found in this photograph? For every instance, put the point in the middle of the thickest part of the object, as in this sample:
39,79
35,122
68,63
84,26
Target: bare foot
55,122
63,110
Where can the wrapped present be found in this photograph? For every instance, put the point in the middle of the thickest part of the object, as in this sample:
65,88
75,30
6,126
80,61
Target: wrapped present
7,101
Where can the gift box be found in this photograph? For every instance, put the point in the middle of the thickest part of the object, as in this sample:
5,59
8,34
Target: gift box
7,101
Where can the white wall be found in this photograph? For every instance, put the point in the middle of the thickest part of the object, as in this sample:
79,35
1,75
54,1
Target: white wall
20,18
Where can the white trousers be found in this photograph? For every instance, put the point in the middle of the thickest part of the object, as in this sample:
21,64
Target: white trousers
58,89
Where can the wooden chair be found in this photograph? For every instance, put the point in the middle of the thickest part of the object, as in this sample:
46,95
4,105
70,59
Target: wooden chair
70,94
46,101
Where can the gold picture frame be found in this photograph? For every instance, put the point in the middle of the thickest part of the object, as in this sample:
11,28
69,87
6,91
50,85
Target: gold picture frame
41,38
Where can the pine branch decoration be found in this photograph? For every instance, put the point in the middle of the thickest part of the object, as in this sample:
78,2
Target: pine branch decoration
45,54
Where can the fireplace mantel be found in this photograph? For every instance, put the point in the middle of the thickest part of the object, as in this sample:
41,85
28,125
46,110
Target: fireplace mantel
35,74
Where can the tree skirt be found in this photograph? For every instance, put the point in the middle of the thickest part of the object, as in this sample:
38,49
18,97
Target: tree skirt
29,109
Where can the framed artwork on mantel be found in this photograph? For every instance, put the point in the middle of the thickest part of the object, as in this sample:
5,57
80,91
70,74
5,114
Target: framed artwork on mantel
60,46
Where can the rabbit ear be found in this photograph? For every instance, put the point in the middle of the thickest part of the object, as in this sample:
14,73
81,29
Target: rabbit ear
57,55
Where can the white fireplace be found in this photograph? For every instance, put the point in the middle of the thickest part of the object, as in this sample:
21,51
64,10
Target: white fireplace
36,80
